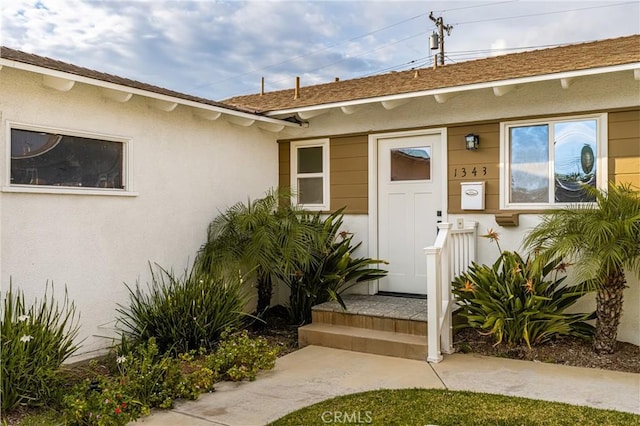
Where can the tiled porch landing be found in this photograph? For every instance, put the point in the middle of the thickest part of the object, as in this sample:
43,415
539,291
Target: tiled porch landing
383,325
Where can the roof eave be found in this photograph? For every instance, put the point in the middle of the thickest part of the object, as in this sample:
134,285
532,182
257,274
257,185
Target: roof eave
454,90
202,107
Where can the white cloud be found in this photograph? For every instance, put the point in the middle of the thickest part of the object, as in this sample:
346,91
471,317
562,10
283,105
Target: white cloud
217,49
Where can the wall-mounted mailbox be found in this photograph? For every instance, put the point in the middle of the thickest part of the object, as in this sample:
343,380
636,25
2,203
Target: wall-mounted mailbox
472,196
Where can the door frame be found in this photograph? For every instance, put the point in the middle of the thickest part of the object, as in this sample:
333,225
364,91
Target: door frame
373,144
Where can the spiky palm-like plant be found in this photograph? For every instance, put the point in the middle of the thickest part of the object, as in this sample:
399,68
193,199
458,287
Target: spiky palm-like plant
603,238
258,239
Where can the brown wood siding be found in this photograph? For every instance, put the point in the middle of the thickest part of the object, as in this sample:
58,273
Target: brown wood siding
349,173
484,162
284,165
349,162
624,147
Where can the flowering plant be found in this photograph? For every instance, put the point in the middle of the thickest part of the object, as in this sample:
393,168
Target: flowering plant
35,340
101,402
520,300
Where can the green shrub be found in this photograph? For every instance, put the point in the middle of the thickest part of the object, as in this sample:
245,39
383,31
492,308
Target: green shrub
101,402
154,379
331,271
518,300
260,238
36,340
240,357
183,313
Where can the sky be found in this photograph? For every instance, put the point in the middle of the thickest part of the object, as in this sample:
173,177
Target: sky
218,49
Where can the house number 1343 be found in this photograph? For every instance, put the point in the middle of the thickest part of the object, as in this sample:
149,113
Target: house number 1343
462,172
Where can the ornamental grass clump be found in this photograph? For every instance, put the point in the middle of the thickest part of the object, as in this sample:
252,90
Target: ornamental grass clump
183,313
36,340
520,300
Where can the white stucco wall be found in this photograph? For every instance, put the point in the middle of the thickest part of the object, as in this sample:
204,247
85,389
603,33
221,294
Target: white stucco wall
185,169
586,94
510,238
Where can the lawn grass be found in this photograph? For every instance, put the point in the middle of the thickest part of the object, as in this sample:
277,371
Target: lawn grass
443,407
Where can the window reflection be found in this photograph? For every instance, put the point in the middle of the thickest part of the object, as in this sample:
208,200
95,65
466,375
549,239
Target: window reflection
574,165
560,152
529,164
411,164
40,158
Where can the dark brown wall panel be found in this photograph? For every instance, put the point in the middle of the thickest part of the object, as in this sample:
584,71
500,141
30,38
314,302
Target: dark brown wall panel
474,166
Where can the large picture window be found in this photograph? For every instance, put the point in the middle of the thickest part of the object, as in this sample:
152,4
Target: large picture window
549,162
55,159
310,173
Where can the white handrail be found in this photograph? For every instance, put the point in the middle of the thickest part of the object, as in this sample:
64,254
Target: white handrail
450,255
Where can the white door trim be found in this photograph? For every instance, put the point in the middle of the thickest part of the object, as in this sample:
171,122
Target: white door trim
373,184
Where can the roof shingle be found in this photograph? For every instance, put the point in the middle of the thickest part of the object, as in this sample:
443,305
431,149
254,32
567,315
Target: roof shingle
603,53
53,64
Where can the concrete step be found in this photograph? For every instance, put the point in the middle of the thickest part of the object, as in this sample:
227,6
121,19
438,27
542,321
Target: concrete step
358,339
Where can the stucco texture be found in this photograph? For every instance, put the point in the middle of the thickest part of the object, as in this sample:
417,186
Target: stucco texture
183,169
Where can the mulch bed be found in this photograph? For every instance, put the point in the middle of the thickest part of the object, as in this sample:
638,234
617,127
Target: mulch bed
566,350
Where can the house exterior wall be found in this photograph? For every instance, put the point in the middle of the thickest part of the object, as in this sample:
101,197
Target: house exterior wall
348,170
624,147
480,113
185,170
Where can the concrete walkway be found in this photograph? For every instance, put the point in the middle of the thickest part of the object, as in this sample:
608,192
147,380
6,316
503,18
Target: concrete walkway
314,373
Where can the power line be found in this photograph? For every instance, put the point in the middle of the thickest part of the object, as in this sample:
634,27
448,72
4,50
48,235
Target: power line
462,55
313,52
475,5
449,55
544,13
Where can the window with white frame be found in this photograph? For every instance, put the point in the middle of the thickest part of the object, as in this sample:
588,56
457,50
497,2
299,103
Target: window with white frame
548,162
310,173
61,159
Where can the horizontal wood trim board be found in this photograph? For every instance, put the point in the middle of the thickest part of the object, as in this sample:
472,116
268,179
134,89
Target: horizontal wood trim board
349,191
624,147
633,115
348,151
624,129
629,165
353,205
346,177
354,164
633,179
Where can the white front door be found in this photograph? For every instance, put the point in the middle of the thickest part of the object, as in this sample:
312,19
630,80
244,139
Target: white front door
409,207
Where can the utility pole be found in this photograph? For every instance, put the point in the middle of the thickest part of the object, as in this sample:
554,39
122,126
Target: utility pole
440,39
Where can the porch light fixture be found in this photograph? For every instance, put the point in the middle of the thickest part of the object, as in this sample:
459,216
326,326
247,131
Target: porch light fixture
472,141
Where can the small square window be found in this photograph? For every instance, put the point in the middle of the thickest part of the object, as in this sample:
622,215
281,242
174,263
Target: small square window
310,160
54,159
411,164
310,173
